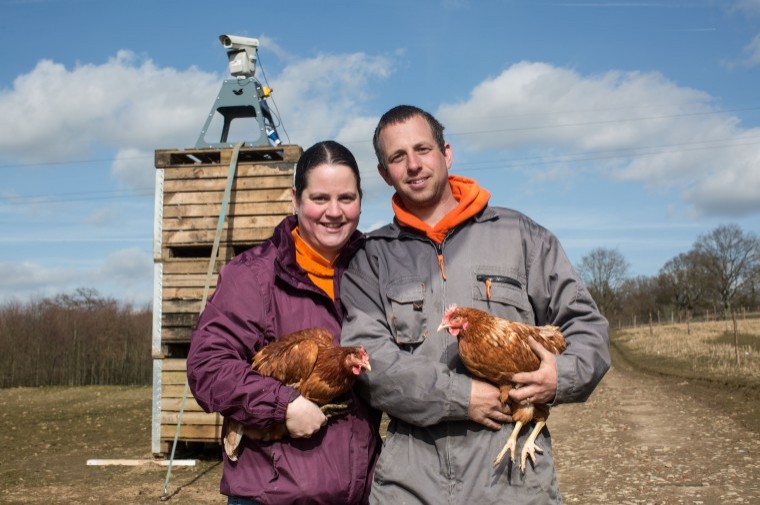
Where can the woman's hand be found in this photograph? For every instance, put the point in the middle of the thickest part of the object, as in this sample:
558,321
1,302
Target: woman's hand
303,418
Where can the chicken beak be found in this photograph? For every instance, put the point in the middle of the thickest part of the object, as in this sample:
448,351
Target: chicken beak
444,326
365,366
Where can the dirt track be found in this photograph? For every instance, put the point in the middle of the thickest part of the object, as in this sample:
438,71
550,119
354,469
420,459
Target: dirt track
641,439
645,439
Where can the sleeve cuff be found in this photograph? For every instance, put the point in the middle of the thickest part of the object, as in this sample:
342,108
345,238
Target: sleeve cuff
459,396
565,379
286,396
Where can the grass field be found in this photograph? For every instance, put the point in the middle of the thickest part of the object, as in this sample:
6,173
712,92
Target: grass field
702,350
48,434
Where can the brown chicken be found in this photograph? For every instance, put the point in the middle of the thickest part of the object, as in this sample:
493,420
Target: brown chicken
309,362
494,349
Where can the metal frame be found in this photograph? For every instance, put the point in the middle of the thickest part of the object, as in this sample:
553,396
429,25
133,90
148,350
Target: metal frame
238,98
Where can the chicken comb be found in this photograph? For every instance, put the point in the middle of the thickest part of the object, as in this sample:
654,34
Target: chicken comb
451,308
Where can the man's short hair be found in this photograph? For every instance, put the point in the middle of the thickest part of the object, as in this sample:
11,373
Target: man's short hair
400,114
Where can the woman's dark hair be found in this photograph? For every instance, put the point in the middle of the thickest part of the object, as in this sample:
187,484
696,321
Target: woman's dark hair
401,114
329,152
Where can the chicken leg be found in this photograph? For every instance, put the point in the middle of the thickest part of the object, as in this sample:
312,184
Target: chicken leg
511,444
530,447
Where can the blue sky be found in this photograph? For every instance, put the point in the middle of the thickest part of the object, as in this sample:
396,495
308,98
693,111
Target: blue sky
626,125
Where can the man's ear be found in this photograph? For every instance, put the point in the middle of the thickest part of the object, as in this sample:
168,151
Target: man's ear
384,174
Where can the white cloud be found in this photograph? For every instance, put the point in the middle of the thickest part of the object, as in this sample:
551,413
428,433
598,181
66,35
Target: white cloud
135,168
134,107
21,279
121,103
634,126
749,7
126,275
318,96
357,134
752,53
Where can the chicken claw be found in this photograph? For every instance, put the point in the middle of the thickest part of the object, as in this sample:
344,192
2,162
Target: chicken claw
530,448
232,439
510,445
334,409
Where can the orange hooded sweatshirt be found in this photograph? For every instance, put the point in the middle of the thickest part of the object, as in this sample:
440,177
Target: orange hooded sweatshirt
319,269
471,200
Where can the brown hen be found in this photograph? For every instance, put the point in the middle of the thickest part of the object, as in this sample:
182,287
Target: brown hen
309,362
494,349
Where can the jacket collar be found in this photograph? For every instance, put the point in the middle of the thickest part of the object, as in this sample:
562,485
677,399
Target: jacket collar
395,230
286,266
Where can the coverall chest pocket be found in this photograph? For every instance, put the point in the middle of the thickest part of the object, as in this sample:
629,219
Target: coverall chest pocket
502,294
407,317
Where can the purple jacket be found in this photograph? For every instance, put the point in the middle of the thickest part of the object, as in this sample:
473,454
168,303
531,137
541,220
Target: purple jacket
261,295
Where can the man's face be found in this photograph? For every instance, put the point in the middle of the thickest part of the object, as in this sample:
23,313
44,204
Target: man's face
416,168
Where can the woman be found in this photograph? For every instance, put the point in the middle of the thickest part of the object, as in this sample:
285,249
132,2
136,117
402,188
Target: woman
288,283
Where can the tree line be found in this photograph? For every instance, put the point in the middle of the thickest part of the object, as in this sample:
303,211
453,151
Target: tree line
719,277
74,339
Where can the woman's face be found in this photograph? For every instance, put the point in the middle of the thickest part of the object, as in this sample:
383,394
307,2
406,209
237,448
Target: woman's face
328,209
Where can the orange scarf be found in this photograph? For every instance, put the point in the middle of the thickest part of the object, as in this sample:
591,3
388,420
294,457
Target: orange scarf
320,270
471,197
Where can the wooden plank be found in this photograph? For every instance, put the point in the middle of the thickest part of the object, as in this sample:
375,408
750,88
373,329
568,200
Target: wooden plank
174,404
171,321
187,281
180,223
247,196
246,183
244,235
181,306
195,418
172,391
183,266
185,293
174,377
173,365
282,209
141,462
165,158
198,433
243,170
177,335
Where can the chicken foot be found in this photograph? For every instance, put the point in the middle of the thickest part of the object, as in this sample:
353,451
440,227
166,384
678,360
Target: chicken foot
334,409
235,430
232,439
510,445
530,448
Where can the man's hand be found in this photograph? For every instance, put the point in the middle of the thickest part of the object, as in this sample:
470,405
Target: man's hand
485,407
303,418
539,386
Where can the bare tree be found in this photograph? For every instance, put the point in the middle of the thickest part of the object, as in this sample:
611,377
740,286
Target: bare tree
729,258
680,280
603,271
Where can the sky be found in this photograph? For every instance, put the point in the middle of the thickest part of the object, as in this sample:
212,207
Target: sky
631,125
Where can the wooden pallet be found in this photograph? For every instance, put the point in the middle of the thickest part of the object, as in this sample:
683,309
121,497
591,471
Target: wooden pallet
190,189
197,426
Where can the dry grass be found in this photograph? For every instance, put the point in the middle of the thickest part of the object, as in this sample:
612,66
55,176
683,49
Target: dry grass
701,350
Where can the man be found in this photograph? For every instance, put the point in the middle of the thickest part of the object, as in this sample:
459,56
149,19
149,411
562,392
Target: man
448,246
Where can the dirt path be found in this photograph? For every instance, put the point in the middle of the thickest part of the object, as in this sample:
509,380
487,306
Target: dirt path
646,439
641,439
